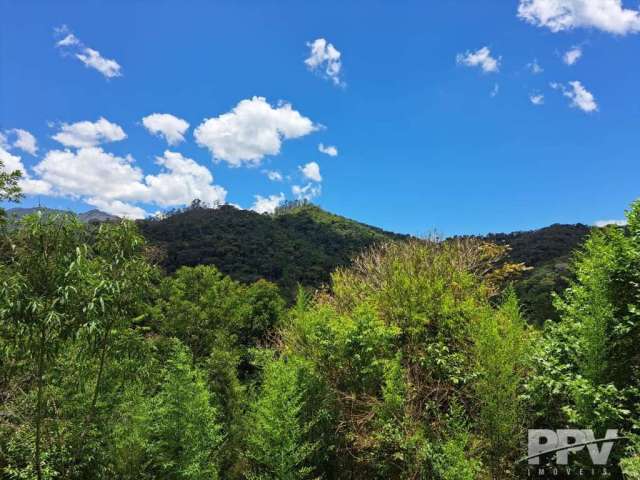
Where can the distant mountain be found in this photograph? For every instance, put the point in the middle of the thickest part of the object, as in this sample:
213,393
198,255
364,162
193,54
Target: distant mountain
300,244
303,244
548,250
89,216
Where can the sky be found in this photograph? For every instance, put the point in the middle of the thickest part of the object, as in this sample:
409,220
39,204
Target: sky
455,116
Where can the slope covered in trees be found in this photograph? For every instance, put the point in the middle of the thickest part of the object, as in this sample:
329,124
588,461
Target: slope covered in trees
302,244
299,244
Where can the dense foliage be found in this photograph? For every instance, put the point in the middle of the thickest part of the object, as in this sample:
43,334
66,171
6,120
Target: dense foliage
300,244
415,361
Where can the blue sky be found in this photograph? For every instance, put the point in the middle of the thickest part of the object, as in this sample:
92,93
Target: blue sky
429,105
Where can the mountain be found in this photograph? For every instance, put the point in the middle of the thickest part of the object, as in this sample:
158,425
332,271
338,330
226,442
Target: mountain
303,244
548,250
89,216
300,243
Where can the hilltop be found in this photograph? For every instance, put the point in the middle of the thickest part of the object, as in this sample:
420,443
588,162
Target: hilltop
300,243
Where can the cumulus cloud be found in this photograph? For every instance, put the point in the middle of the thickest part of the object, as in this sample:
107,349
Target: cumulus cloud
166,125
267,204
535,67
89,134
69,44
29,186
91,172
604,223
22,140
325,58
537,98
117,207
307,192
480,58
274,175
495,90
111,183
311,171
182,181
572,56
328,150
253,129
580,97
558,15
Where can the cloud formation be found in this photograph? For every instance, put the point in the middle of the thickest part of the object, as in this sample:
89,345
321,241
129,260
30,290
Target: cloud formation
580,97
328,150
165,125
113,183
311,171
535,67
89,134
558,15
537,98
251,130
22,140
307,192
572,56
69,44
480,58
325,58
267,204
274,175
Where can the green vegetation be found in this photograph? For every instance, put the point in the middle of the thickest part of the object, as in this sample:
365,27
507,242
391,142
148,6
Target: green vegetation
414,361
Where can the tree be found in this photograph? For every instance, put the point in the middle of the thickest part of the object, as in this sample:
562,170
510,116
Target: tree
9,186
278,444
185,435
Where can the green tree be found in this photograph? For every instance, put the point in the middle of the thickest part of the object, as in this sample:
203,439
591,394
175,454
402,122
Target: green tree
185,435
278,444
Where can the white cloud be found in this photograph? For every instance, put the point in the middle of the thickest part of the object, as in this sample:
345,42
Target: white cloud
308,192
328,150
113,183
274,175
481,58
92,58
89,134
558,15
71,45
580,97
28,185
118,208
267,204
68,41
183,181
535,67
323,55
24,140
166,125
604,223
572,56
311,171
91,172
251,130
495,90
537,98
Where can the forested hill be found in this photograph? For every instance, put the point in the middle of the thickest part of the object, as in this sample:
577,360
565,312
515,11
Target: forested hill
300,243
304,244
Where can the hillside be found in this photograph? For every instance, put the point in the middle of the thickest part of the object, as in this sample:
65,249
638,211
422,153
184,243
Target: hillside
303,244
299,244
